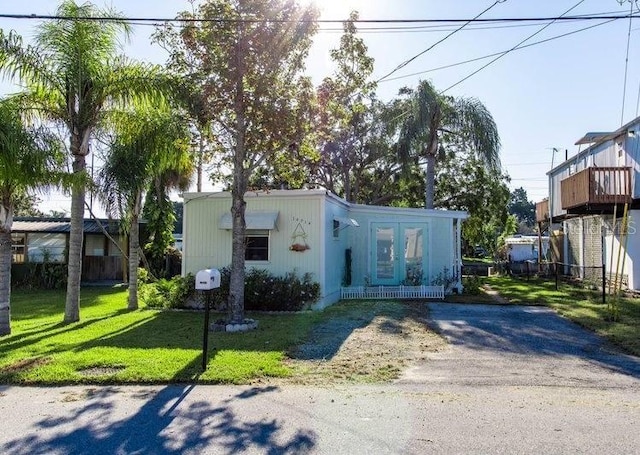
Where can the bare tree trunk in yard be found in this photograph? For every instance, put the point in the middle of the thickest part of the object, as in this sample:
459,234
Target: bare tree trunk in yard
134,257
238,205
74,264
5,279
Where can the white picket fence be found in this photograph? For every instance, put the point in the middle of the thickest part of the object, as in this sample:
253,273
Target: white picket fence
392,292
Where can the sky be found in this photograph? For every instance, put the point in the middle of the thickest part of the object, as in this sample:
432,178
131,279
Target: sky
542,97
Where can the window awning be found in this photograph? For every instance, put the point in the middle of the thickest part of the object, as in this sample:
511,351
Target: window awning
253,220
346,221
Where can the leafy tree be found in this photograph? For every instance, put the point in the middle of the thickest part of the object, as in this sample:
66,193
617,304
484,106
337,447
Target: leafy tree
150,148
29,160
250,54
463,183
160,215
343,118
73,75
434,121
523,209
26,204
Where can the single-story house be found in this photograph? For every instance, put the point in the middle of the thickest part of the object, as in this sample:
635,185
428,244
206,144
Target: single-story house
339,243
522,248
40,239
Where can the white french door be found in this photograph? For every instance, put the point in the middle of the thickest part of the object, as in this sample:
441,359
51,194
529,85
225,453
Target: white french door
398,253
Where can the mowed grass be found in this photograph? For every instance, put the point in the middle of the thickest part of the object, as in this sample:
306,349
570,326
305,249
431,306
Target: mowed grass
584,306
113,345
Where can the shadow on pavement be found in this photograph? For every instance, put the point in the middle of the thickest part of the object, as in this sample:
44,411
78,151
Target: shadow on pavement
527,330
165,423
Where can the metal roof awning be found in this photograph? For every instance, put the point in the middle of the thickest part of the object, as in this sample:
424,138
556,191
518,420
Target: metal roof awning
346,221
253,220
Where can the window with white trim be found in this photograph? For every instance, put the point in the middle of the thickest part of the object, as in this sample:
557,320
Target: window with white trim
256,245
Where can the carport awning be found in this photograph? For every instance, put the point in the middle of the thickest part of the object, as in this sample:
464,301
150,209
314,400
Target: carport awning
253,219
346,221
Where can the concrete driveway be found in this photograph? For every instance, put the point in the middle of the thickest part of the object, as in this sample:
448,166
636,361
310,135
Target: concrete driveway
520,345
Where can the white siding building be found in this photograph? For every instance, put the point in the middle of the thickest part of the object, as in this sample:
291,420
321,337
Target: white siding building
314,231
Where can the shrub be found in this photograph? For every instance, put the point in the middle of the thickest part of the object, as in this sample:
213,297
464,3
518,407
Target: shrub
266,292
42,275
167,293
471,284
263,291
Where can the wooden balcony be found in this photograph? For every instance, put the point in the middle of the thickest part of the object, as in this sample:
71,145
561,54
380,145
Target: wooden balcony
542,210
596,186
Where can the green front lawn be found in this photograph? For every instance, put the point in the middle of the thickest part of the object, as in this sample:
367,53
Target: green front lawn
581,305
111,344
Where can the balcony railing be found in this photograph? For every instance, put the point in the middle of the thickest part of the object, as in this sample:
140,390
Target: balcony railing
542,210
596,185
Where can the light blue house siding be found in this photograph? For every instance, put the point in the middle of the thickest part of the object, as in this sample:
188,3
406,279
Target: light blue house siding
387,246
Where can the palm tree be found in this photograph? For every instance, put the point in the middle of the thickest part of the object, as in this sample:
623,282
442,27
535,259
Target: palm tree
434,120
29,160
72,75
150,147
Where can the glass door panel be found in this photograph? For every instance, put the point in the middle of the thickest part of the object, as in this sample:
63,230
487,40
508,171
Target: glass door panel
413,256
385,255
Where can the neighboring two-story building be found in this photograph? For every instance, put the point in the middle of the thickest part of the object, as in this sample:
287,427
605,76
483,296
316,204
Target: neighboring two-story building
588,194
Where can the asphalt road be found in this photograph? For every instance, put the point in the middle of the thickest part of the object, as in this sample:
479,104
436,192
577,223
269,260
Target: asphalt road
512,380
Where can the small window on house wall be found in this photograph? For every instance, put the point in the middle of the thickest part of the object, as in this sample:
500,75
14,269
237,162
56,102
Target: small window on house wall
336,229
18,248
257,245
94,245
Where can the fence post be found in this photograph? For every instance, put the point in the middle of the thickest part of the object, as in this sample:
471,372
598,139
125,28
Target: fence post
604,269
555,266
527,266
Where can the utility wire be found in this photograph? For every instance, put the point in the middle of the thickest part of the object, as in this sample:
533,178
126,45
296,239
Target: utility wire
318,21
406,62
501,52
513,48
626,64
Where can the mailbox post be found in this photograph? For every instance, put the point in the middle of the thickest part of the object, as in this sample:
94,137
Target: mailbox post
207,280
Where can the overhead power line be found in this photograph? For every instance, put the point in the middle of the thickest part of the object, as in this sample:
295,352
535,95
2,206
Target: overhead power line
513,48
464,62
406,62
319,21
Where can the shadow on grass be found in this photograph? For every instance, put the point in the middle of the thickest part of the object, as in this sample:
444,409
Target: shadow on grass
36,304
168,420
26,338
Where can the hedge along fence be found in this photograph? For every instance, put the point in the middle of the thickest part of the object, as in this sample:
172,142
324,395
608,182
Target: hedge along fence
262,291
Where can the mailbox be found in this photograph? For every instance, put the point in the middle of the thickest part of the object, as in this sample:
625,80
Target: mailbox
207,279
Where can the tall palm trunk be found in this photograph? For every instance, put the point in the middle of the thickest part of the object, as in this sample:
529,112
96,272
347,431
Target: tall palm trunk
430,181
431,153
74,260
134,257
5,280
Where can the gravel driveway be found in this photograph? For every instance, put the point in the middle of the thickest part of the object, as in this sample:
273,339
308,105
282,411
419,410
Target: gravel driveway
520,345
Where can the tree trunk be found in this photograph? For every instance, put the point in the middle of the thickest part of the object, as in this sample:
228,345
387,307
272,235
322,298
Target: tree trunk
430,181
238,204
134,258
200,160
5,280
74,258
431,154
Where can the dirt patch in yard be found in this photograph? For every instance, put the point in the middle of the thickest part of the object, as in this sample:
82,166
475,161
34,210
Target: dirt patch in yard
364,342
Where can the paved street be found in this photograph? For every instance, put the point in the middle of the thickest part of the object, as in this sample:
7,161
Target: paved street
512,380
